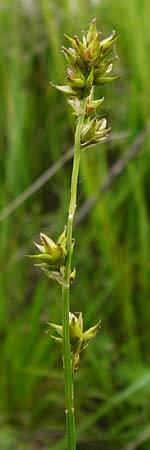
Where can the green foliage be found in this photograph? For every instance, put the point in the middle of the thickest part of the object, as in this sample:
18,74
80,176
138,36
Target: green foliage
111,253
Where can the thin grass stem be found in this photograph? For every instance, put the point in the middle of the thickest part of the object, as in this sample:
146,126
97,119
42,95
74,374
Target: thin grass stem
70,416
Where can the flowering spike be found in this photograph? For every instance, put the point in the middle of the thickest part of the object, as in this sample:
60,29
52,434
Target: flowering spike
87,62
52,257
79,339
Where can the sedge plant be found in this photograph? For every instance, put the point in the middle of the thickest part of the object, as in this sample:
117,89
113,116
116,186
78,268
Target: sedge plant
90,62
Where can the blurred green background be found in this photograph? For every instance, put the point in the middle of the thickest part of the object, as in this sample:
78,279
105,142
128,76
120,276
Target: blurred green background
111,255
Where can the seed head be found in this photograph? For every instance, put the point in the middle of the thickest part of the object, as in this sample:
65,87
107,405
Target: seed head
88,62
89,65
79,339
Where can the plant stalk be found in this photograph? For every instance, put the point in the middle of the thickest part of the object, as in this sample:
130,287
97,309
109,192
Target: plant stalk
69,389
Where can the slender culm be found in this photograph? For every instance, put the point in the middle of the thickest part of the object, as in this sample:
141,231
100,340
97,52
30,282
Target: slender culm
90,62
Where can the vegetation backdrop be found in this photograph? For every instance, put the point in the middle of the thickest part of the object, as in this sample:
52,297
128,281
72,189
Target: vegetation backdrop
36,129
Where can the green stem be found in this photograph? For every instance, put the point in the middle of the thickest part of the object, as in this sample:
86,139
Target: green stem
70,418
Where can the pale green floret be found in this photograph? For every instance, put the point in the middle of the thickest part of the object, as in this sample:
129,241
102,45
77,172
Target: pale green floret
79,339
